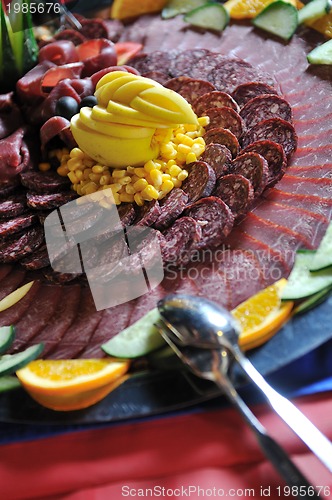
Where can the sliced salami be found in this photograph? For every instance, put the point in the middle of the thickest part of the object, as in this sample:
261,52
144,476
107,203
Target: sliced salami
58,278
246,91
7,187
227,118
214,217
273,129
172,207
158,76
237,192
13,206
12,226
49,201
179,240
44,182
37,260
21,245
225,137
253,167
200,181
185,61
214,99
274,155
72,35
154,61
93,28
264,107
218,157
191,89
147,214
126,213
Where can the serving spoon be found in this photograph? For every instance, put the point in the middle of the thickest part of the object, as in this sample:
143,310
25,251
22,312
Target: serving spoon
195,321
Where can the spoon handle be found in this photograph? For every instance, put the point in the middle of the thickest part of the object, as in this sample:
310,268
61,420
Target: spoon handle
290,414
272,450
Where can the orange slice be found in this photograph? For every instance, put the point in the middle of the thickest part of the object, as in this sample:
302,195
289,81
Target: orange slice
262,315
72,384
248,9
323,25
125,9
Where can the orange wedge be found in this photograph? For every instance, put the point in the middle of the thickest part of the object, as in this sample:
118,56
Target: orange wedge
323,25
248,9
72,384
125,9
262,315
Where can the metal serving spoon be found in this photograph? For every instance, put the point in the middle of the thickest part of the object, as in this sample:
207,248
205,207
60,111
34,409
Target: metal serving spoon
201,323
213,364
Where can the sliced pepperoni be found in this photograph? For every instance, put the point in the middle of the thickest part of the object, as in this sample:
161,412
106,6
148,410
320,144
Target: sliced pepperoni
214,217
227,118
237,192
21,245
273,129
200,181
44,182
218,157
263,107
191,89
12,226
253,167
172,207
12,206
225,137
148,213
179,240
214,99
246,91
273,154
49,201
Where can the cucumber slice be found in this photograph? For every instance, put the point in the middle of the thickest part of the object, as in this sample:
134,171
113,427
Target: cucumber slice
279,18
321,54
314,10
312,301
302,283
7,334
9,383
210,16
323,256
10,363
137,340
175,7
164,359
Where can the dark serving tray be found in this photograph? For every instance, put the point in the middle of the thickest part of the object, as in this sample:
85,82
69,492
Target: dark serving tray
151,393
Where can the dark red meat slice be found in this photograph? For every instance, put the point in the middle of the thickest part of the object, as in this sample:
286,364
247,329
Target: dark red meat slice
306,186
8,187
44,182
49,201
263,107
55,75
94,28
224,137
20,245
11,315
11,281
29,86
10,115
12,226
253,167
12,206
96,54
114,29
147,214
159,76
52,128
126,213
273,154
15,155
237,192
154,61
144,304
218,157
185,62
179,241
273,129
58,278
200,181
60,52
37,260
315,204
5,269
214,217
225,117
171,207
72,35
246,91
215,99
190,88
97,76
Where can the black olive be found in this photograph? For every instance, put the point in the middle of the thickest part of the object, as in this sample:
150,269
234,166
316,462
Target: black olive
89,101
67,107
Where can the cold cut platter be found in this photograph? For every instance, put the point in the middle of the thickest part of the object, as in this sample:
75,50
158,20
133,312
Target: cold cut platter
262,187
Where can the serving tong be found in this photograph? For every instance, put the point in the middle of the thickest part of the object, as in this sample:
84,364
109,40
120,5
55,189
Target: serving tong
205,337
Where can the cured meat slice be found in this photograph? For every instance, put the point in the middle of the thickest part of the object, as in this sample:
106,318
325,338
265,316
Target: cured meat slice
13,206
155,61
180,239
58,278
306,186
223,136
93,28
49,201
273,154
247,91
218,157
185,62
264,107
190,88
12,226
11,281
237,192
37,260
7,187
200,181
21,245
14,313
322,206
226,118
44,182
214,217
148,213
215,99
172,207
72,35
273,129
5,269
253,167
158,76
126,213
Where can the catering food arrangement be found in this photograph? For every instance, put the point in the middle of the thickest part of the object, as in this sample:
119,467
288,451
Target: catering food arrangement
210,129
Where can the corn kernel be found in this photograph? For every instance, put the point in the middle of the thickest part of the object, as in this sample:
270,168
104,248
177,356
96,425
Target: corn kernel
97,169
203,121
104,203
188,141
118,174
130,189
73,178
62,170
168,151
149,165
199,140
150,193
183,175
86,173
198,149
156,177
191,157
73,163
95,177
174,170
182,148
76,153
88,162
140,184
140,172
130,170
165,177
190,127
167,186
90,188
176,182
138,199
115,187
116,199
79,174
44,166
170,163
105,179
127,198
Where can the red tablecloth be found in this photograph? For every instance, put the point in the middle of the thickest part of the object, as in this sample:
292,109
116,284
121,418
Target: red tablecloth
195,455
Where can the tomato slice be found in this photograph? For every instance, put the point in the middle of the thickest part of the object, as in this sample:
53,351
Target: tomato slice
126,50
